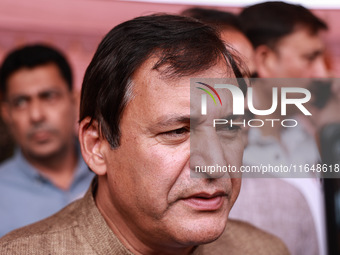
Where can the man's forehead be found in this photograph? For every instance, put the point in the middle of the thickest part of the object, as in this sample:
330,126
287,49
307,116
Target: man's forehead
171,119
302,36
156,93
151,82
35,80
153,91
171,72
48,70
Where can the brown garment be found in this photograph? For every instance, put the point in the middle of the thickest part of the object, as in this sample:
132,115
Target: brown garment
241,238
279,208
80,229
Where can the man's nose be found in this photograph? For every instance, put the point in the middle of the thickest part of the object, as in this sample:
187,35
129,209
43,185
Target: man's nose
207,157
319,69
36,111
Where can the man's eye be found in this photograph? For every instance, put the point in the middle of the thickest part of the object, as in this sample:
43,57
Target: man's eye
311,58
228,131
50,95
234,128
19,102
175,136
228,127
177,132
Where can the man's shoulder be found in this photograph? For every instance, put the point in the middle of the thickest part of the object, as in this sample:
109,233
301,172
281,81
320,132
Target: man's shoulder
43,233
7,165
250,237
243,238
9,171
79,228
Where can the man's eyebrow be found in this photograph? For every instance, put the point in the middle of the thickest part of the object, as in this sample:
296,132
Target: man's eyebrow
315,53
171,120
233,117
49,91
16,97
165,121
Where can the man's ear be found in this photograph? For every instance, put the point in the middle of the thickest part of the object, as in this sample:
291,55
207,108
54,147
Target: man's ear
266,61
92,145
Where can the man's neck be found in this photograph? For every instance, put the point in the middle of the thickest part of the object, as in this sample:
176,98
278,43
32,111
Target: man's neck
58,168
129,237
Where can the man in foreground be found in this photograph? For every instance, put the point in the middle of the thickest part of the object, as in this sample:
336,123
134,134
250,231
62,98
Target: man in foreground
136,121
47,171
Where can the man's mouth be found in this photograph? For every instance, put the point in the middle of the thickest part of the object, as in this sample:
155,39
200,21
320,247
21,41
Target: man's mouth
206,202
41,136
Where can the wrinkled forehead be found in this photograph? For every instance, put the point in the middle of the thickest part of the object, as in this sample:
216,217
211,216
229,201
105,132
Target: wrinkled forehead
35,80
172,73
301,37
154,88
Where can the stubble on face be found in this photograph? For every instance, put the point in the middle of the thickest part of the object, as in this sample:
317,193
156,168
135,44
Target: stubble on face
150,197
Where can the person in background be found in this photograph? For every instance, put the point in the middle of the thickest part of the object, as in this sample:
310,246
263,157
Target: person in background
288,44
47,171
258,196
232,33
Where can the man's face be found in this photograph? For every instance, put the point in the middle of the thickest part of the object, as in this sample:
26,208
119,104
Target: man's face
39,111
240,42
299,55
148,175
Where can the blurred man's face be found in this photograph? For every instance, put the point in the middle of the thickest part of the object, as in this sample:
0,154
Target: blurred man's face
148,175
39,111
240,42
299,55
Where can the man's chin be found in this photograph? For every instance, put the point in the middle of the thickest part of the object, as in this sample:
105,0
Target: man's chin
207,239
42,151
195,227
203,233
